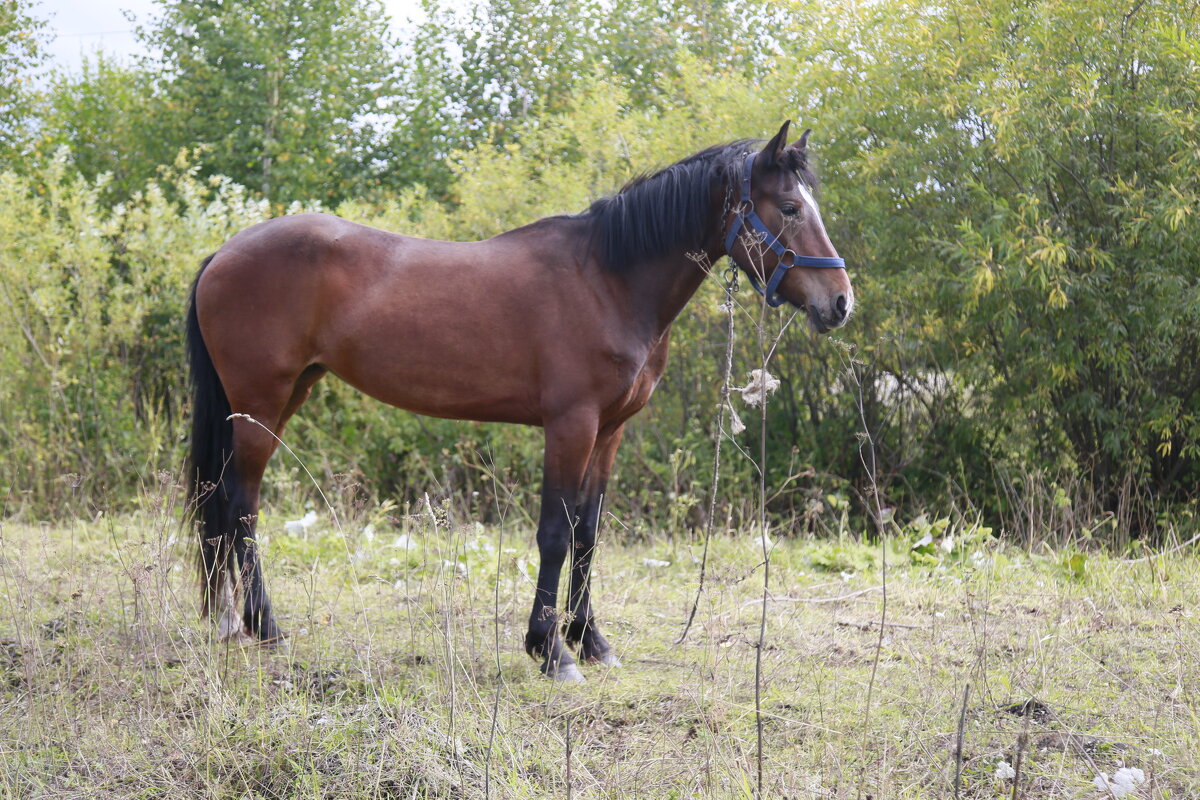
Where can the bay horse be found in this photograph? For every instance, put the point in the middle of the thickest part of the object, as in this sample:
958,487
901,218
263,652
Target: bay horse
563,323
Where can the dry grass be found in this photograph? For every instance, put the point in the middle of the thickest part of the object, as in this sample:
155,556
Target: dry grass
110,687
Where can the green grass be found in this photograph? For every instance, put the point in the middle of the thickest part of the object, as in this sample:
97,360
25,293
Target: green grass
110,686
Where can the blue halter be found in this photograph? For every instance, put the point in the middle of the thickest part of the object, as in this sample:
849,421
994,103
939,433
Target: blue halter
746,216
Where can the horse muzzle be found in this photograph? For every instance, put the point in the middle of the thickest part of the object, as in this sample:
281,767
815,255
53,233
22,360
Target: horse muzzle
824,317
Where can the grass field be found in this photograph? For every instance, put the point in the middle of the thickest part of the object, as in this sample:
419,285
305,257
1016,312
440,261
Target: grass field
405,677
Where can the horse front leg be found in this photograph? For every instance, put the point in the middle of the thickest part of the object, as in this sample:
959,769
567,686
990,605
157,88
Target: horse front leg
569,443
582,629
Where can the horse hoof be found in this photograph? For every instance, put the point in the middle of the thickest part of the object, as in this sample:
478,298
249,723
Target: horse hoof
238,637
564,673
230,630
608,659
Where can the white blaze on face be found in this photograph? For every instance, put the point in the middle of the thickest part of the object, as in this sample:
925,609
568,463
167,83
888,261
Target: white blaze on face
816,214
808,198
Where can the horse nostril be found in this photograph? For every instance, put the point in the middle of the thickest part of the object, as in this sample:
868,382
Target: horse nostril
839,306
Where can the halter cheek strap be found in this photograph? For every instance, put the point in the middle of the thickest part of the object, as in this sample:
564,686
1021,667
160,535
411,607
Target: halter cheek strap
747,217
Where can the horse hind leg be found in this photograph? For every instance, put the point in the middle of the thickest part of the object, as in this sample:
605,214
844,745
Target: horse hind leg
254,441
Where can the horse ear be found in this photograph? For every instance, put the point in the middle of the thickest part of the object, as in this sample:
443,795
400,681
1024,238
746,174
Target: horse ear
801,144
774,149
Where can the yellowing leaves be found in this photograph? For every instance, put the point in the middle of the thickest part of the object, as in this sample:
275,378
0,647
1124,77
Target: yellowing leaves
982,281
1050,253
1057,298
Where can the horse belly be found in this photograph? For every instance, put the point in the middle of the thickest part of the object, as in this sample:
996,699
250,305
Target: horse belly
450,372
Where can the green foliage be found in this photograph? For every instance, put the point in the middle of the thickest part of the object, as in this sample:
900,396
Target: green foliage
92,347
492,74
1022,179
278,90
112,120
20,52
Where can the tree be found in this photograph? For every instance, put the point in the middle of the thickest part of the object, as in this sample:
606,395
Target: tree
281,92
479,77
20,53
1023,179
110,117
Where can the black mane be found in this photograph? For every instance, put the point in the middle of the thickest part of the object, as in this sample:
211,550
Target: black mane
657,213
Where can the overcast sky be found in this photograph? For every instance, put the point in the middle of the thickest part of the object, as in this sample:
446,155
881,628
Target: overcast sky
79,27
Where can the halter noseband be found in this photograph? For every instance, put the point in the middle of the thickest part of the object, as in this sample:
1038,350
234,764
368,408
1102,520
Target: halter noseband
747,216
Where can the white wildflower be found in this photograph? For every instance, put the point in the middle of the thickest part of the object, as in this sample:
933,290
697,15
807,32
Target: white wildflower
761,384
654,562
1123,781
369,533
947,544
1005,771
846,576
301,526
925,540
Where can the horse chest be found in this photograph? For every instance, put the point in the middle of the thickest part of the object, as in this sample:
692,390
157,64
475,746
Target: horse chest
639,373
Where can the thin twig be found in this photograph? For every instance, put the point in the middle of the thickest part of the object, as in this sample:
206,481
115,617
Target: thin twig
866,626
568,718
837,599
1174,549
1022,742
487,767
958,747
767,354
866,453
730,288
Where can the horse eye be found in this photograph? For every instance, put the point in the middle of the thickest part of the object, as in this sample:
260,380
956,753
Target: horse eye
789,211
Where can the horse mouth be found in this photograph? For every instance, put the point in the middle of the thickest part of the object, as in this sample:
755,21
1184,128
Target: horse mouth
815,321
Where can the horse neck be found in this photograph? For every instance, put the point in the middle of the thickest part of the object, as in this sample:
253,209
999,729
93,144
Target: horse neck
663,286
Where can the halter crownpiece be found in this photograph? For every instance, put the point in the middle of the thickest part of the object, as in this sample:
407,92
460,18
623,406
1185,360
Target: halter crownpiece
747,216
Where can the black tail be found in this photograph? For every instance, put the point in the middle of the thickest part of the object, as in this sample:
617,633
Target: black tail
209,463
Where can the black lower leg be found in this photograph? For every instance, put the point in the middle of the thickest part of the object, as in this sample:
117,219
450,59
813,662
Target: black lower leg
256,614
543,641
215,558
582,630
